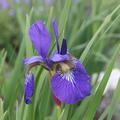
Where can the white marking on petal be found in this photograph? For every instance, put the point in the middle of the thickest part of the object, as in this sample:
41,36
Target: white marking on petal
69,76
28,78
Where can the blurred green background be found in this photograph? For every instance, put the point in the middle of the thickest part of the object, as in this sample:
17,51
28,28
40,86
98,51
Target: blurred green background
92,30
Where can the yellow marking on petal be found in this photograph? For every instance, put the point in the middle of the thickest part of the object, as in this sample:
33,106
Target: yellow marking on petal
64,67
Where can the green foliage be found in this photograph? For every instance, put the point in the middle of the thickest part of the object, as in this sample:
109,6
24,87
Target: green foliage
93,105
92,33
3,54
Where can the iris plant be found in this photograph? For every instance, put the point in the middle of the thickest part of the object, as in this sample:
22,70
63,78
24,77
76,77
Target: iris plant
69,82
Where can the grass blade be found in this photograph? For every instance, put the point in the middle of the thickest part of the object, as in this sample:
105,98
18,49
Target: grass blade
63,19
111,108
65,113
2,59
115,100
93,40
9,100
98,95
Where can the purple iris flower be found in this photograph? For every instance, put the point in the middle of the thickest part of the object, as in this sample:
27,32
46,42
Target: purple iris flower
19,1
69,82
48,2
27,1
4,4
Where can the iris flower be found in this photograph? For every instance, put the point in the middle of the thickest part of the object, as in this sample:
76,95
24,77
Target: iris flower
19,1
69,82
3,4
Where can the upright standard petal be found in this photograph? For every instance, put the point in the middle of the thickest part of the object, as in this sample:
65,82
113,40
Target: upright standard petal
55,28
40,38
29,87
71,86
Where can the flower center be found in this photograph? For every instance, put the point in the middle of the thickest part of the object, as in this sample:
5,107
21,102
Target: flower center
63,67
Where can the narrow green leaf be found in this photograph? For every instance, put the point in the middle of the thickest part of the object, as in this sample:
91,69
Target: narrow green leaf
50,17
55,113
20,110
44,101
20,19
28,109
2,59
93,105
28,112
3,116
104,114
17,111
1,107
29,49
111,108
2,113
93,40
114,102
65,113
9,100
63,19
78,32
41,79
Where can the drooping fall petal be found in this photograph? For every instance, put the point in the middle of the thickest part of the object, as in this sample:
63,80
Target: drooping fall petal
29,87
72,86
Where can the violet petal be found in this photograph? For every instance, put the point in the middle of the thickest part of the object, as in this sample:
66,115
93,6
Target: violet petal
4,4
32,60
72,86
40,38
29,87
55,28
